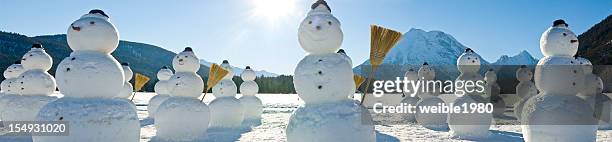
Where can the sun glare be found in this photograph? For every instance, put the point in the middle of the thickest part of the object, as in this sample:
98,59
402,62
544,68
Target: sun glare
274,9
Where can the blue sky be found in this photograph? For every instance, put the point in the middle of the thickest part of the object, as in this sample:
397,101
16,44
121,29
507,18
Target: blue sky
264,36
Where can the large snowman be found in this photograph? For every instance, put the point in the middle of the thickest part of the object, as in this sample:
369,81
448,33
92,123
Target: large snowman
324,79
492,93
34,86
557,114
8,87
469,125
525,89
182,117
89,79
226,110
161,89
128,89
434,121
592,93
408,99
252,105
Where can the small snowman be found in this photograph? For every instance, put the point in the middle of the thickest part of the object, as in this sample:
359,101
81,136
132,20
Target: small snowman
557,113
128,89
226,110
323,80
492,92
8,86
592,93
408,99
182,117
525,89
161,89
469,125
90,78
34,85
429,97
252,105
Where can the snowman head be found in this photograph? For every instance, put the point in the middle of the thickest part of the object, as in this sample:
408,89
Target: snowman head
127,71
468,61
93,32
586,64
559,40
230,72
37,59
411,74
186,61
524,73
248,74
426,72
13,70
164,73
320,31
490,76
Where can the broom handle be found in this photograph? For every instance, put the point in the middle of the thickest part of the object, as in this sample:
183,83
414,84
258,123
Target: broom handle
368,85
133,95
205,92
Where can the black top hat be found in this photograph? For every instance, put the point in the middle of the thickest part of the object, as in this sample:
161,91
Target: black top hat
225,62
523,66
165,67
125,64
188,49
490,69
341,51
410,69
469,50
559,22
18,62
425,63
98,11
37,45
248,67
319,2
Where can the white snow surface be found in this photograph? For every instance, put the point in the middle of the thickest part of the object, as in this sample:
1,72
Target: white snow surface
279,107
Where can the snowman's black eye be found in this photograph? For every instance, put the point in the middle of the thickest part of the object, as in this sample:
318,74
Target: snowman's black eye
31,55
564,34
185,56
92,22
329,22
309,22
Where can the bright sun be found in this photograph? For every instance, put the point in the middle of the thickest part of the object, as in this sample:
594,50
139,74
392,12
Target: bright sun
274,9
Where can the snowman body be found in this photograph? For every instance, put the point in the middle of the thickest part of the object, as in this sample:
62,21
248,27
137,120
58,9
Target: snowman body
226,110
34,86
161,89
89,79
127,90
525,89
429,98
560,78
469,125
185,86
9,88
592,93
324,79
492,93
411,100
252,104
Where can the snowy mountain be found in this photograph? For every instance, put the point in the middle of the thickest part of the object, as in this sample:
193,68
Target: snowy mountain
238,71
523,58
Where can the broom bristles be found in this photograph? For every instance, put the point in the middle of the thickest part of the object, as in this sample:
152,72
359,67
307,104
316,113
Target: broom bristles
215,74
382,40
358,80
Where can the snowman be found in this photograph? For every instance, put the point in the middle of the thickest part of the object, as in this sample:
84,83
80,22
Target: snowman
33,86
323,79
525,89
343,53
408,99
90,78
128,89
226,110
557,113
182,117
8,87
469,125
252,105
492,93
161,89
429,97
592,93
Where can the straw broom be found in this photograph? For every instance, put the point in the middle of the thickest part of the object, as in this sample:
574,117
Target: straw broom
382,40
358,80
215,74
140,81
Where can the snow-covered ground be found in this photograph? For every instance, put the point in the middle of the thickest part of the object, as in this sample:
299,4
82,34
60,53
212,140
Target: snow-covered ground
278,109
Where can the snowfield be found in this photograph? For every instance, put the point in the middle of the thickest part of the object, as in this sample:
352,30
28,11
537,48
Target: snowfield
279,107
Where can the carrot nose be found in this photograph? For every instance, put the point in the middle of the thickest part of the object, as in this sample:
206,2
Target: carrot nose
573,41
